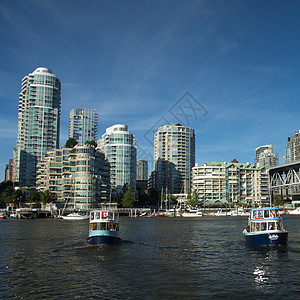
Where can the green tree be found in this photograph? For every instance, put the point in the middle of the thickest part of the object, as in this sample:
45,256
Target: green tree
35,197
193,198
7,196
92,143
277,200
70,143
45,197
128,200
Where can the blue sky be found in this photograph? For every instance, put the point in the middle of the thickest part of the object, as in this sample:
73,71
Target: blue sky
144,63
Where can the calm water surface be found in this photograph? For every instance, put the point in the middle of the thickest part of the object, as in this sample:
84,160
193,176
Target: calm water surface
168,258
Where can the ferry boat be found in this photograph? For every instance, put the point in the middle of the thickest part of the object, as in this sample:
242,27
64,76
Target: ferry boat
103,227
265,228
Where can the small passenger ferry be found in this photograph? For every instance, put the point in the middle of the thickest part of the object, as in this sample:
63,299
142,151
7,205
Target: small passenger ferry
103,227
265,227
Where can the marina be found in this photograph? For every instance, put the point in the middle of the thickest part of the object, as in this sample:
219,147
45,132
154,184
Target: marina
158,258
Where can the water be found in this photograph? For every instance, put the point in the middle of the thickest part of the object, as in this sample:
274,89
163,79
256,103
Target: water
159,258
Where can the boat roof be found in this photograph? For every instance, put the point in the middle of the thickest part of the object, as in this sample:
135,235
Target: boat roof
264,208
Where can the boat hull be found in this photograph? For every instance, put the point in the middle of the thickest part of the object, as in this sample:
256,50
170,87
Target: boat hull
100,237
273,238
75,218
103,239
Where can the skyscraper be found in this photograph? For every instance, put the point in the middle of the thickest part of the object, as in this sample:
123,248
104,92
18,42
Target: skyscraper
142,169
265,157
83,125
174,157
38,123
119,146
292,151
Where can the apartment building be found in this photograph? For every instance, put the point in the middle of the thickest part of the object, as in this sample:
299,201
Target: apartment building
77,176
230,182
38,123
174,157
83,125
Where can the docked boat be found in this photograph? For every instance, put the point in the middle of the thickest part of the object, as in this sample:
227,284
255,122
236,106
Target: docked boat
161,214
265,228
103,228
295,211
223,212
2,215
192,213
76,215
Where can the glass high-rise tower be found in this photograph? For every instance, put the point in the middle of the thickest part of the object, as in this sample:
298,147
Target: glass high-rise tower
142,169
265,157
83,125
174,158
119,146
38,123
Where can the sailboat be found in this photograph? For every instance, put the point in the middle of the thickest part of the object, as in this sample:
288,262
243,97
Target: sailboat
75,215
162,212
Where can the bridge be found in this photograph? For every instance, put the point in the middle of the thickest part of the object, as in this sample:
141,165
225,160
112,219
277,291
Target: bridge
285,176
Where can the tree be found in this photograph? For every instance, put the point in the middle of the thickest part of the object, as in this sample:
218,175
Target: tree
7,196
35,197
45,197
193,198
70,143
92,143
277,200
128,200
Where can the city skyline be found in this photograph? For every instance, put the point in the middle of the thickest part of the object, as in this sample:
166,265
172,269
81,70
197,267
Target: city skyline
141,63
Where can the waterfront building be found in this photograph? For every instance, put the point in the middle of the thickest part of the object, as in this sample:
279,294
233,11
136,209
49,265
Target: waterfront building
292,151
79,174
265,157
142,170
83,125
119,146
174,157
38,123
230,182
9,171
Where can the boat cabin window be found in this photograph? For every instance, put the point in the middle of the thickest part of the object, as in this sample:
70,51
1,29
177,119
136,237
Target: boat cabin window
257,227
263,226
104,226
98,215
274,213
254,214
92,216
267,213
271,225
278,225
260,213
275,225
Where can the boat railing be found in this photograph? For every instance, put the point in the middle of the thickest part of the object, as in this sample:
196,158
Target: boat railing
104,216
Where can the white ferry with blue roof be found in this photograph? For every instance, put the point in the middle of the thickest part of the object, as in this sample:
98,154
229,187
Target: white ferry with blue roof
103,227
265,228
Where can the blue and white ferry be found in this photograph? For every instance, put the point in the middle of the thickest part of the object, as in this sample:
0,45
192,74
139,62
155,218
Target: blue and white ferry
103,227
265,228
